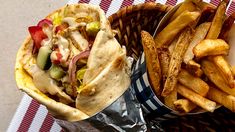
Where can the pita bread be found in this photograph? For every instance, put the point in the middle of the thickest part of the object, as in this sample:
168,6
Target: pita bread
106,74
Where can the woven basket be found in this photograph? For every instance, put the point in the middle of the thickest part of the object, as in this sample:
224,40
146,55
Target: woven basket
128,22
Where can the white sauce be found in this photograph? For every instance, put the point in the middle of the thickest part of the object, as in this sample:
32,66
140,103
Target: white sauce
48,32
53,55
43,81
48,41
63,45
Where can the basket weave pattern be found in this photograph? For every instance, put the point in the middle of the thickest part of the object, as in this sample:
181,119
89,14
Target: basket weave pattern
128,22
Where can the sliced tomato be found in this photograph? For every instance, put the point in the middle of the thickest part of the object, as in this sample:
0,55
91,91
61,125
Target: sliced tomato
44,22
59,57
37,35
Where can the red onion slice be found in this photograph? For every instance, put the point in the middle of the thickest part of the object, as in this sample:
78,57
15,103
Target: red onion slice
72,64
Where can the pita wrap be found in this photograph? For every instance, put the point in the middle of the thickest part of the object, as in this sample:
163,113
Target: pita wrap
106,75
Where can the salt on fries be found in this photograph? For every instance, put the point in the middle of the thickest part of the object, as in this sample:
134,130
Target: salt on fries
190,54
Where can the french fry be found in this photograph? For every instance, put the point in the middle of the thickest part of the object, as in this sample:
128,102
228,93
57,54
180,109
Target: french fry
228,23
233,70
185,6
199,35
209,47
217,22
164,58
222,98
194,83
213,33
214,75
165,37
171,98
194,68
176,60
184,105
152,62
225,69
196,98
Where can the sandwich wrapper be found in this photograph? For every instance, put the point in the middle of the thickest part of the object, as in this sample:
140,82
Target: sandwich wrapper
125,114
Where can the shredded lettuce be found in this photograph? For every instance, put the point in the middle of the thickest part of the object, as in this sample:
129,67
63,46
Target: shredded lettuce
79,75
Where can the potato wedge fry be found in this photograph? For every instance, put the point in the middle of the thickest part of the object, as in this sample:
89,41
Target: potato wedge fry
171,98
223,98
217,22
176,60
184,105
186,6
165,37
164,58
199,35
172,45
214,75
225,69
196,98
209,47
194,83
194,68
152,62
228,23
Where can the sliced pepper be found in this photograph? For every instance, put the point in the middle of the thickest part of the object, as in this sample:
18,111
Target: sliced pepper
57,19
93,28
80,74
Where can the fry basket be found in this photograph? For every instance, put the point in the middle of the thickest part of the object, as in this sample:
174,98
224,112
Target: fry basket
128,22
